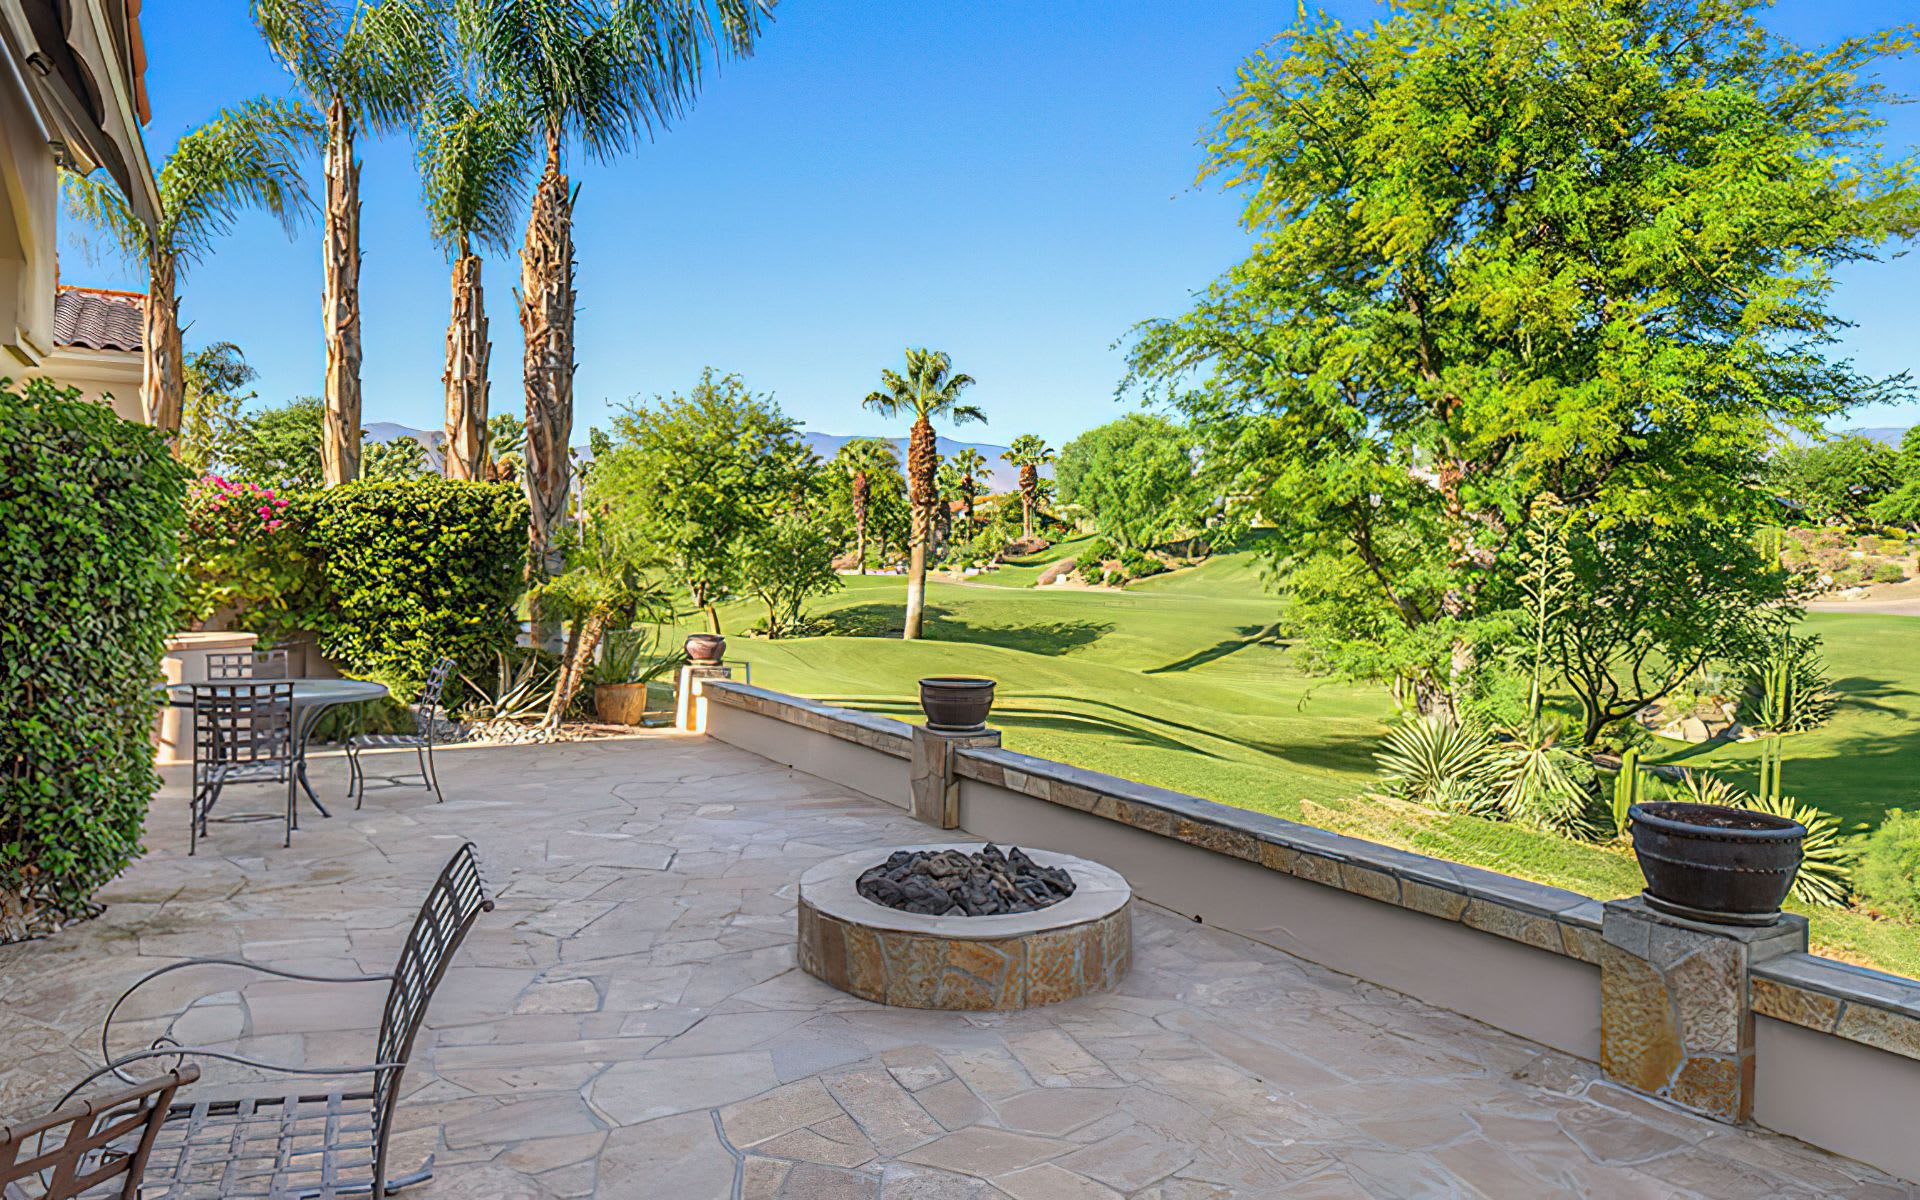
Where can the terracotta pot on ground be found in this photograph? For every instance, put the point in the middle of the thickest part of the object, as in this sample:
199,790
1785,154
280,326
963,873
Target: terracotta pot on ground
956,703
620,703
1707,862
706,647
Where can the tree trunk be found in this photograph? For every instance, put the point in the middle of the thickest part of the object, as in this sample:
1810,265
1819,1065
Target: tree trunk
922,464
546,324
468,352
1029,485
340,302
163,386
713,617
860,490
581,644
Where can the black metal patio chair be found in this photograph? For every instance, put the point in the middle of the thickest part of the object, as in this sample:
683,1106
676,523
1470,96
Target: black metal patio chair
226,666
425,724
242,733
318,1144
82,1147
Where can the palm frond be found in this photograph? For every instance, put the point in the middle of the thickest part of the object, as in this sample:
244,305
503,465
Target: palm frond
247,157
101,205
305,36
473,157
391,59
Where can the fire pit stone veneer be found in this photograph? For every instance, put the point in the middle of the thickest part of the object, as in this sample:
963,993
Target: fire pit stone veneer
1078,946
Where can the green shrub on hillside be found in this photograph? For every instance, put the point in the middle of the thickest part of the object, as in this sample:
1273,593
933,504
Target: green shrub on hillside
89,522
1888,877
413,570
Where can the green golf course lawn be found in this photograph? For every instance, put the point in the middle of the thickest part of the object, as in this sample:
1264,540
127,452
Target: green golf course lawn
1180,681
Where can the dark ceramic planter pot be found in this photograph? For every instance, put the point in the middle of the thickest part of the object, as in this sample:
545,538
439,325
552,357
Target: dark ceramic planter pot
956,703
706,647
1727,866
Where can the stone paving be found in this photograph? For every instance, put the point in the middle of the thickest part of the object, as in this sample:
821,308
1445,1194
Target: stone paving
630,1021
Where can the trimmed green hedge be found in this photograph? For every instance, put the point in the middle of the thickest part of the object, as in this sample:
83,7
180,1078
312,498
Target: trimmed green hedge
90,513
409,570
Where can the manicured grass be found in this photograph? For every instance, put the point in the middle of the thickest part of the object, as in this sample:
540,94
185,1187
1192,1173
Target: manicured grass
1180,681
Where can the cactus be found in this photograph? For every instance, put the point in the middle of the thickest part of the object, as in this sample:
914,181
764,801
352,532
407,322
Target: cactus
1626,789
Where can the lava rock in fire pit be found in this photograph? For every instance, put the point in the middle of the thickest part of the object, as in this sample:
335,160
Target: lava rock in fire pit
940,883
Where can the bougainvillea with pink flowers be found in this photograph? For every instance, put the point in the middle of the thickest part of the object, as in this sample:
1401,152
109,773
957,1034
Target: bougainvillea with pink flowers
239,552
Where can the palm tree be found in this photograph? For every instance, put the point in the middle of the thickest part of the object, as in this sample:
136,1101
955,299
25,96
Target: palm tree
1029,452
972,467
369,70
930,388
603,72
947,482
862,459
245,158
473,163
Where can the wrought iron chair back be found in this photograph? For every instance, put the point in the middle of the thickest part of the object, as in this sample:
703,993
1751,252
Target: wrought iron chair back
242,732
92,1147
452,904
247,664
430,694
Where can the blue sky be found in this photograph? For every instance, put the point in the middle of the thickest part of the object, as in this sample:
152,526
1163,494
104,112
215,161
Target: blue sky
1007,181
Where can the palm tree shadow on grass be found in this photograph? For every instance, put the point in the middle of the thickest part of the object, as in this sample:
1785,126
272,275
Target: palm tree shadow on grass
887,620
1250,635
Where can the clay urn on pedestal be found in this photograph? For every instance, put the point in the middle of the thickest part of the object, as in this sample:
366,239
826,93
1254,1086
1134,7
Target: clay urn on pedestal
1713,863
956,703
706,649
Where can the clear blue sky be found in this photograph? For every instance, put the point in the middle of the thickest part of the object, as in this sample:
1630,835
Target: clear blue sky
1007,181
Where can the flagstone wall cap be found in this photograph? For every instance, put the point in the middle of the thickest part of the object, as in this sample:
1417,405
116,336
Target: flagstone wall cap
884,734
830,888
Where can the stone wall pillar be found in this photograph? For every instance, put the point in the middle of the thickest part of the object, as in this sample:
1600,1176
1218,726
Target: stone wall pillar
935,787
1676,1017
690,710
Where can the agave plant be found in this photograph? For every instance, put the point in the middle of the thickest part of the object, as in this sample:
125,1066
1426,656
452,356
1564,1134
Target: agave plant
1537,782
1439,764
521,691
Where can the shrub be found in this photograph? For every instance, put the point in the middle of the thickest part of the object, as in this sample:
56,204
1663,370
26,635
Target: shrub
1096,552
412,570
1791,691
1888,878
89,519
239,552
1889,572
1139,564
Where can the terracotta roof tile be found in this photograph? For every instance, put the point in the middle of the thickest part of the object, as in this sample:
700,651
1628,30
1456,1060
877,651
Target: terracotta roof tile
96,319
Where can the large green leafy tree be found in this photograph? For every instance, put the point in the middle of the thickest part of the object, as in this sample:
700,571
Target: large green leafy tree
1029,452
366,70
473,163
691,479
930,388
600,74
279,447
1508,248
1837,479
1902,507
1134,477
244,159
210,417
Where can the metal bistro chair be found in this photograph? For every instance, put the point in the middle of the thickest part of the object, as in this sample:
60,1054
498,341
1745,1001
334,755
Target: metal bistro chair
421,739
93,1147
321,1144
242,733
247,664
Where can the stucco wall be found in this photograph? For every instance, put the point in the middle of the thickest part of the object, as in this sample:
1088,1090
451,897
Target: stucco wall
867,771
1837,1094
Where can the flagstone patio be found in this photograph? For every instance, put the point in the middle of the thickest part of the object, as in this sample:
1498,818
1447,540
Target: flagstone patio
630,1022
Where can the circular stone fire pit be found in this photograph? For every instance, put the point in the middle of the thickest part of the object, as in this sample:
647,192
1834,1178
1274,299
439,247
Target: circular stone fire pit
1073,947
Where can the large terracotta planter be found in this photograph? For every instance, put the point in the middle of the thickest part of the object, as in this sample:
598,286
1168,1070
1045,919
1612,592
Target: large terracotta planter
1708,862
707,648
956,703
620,703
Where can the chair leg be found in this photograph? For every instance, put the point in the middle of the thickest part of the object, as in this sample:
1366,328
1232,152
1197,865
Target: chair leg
356,782
292,814
193,821
433,778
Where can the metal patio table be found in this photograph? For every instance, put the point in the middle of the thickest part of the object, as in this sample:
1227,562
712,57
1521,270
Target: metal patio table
311,697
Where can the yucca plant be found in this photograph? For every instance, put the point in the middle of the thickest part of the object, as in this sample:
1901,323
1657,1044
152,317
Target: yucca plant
1537,782
1439,764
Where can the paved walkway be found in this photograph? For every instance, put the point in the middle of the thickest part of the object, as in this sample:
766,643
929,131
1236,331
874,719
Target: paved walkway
630,1022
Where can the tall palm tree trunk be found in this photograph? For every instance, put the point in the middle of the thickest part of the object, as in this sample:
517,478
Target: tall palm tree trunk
546,321
163,386
468,352
340,302
860,494
1029,484
922,464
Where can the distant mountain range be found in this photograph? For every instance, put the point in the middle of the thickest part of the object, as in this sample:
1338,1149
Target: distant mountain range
1003,476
